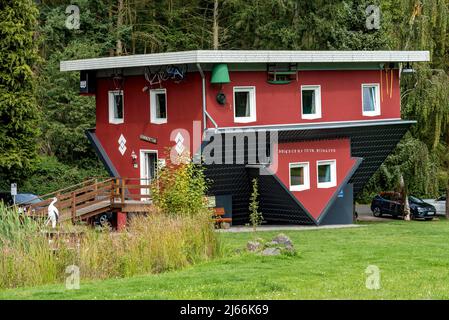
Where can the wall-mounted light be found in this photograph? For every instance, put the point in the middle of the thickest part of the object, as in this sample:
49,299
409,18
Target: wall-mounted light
220,76
134,159
408,69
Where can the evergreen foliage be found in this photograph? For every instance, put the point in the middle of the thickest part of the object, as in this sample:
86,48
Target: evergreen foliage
19,111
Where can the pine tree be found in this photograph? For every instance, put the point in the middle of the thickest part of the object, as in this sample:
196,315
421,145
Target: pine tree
19,112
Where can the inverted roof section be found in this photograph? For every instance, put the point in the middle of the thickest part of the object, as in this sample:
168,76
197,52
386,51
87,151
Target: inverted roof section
308,126
242,56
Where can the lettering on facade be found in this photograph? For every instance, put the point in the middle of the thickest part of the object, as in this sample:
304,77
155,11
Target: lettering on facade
307,150
148,139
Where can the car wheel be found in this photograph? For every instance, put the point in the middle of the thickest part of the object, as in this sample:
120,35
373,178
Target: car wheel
377,212
103,221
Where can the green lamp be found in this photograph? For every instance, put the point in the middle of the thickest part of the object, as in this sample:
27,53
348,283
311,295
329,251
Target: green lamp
220,74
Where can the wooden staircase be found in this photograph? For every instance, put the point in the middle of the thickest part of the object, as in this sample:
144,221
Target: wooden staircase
92,197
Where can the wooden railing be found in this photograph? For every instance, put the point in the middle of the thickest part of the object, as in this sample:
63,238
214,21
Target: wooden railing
133,189
87,194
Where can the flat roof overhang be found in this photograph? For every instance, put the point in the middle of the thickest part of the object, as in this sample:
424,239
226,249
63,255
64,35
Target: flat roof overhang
243,56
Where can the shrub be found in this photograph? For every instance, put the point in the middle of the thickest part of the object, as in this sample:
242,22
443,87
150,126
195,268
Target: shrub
180,189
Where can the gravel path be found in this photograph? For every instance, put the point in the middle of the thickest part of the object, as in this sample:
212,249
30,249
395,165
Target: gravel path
290,227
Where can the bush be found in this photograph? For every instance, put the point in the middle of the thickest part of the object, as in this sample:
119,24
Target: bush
51,175
180,189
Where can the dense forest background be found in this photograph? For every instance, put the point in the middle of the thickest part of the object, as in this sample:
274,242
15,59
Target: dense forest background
42,117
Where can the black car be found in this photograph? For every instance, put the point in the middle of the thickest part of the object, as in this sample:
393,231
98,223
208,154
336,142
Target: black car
391,203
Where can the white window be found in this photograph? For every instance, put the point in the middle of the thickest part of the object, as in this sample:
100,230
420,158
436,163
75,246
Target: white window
158,106
244,104
116,107
299,176
371,99
311,102
326,173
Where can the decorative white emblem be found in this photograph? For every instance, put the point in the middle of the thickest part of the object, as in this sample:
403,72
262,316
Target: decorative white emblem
122,144
179,139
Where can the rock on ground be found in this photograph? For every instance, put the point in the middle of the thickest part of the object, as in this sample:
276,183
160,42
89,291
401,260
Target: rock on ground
282,239
271,252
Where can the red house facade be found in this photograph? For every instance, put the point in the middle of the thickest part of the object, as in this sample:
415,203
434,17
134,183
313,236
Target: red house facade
311,126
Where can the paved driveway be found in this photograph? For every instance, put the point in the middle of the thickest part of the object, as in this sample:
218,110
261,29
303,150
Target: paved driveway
365,214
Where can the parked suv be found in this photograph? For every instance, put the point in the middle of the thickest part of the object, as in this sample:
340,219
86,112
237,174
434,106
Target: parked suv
391,203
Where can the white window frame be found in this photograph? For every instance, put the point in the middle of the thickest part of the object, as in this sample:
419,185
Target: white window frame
252,104
333,182
111,101
317,114
306,185
376,111
153,118
143,179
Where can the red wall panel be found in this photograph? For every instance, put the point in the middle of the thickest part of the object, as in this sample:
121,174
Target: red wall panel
276,104
314,199
341,97
183,107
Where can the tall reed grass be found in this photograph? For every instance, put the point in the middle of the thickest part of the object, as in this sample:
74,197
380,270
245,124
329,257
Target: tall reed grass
151,244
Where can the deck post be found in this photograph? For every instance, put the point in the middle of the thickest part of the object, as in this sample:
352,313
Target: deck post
122,218
114,190
73,207
122,191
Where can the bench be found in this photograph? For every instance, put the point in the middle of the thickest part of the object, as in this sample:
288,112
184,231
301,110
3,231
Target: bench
218,217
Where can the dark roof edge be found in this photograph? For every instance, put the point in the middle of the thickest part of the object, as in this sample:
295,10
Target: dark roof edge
101,153
342,185
287,190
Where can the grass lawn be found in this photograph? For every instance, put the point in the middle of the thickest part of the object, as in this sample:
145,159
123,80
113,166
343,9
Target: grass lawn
413,258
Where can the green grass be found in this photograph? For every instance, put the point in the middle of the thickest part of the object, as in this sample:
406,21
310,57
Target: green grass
413,258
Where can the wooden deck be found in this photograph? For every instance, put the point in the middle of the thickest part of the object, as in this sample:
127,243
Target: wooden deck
93,197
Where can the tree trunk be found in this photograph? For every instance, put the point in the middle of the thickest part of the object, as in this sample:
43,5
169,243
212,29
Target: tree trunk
404,196
119,45
406,209
215,27
111,49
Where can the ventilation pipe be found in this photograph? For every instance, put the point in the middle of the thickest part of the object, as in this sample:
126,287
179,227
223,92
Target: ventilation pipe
206,115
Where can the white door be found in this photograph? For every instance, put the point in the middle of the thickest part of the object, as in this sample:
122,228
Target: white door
148,161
